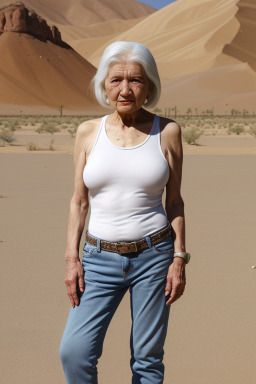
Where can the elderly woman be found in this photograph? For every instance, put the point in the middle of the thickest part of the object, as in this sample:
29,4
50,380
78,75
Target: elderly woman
123,163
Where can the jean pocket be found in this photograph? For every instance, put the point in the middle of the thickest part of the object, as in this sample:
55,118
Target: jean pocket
89,250
165,246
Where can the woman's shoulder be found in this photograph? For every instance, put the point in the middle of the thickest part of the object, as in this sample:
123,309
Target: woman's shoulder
171,137
169,128
86,135
88,128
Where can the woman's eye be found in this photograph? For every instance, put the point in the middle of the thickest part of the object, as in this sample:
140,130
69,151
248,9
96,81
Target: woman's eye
136,81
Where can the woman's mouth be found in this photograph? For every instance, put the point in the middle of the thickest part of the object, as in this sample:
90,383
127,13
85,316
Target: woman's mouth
126,102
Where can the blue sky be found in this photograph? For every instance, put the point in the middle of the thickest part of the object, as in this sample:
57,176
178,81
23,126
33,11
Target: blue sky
157,3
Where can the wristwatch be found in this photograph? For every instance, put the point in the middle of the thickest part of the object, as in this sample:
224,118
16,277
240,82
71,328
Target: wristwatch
183,255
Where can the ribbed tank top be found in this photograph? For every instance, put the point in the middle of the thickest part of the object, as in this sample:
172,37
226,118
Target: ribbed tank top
126,187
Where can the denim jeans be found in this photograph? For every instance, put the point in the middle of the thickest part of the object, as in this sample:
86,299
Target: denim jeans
108,276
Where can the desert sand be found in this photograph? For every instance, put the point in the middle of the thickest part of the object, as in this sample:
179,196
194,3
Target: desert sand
212,328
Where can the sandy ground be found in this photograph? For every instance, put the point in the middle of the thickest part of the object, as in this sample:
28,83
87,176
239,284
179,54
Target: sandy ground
211,338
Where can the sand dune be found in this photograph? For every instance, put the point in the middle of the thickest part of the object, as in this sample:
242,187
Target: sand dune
85,12
89,19
190,39
42,73
224,88
86,40
186,36
106,28
242,46
37,73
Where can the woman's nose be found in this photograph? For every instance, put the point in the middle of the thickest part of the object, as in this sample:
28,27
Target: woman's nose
124,88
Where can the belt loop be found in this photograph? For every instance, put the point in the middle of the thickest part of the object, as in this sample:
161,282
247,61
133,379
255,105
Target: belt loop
148,241
98,246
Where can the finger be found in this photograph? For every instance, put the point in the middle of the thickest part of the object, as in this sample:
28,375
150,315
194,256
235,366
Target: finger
81,282
173,297
71,301
76,299
176,292
72,294
168,287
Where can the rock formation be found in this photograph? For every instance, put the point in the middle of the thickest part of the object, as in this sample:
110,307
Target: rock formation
17,18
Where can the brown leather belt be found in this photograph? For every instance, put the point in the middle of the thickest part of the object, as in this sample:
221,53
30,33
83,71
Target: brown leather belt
133,246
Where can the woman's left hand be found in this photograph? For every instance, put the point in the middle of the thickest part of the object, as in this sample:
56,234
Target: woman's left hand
175,280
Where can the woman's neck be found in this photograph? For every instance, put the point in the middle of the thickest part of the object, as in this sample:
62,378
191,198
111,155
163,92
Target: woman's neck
131,119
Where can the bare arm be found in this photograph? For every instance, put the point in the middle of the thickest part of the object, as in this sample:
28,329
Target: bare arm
176,278
79,204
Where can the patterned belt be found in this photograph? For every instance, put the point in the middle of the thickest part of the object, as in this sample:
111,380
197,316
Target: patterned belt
133,246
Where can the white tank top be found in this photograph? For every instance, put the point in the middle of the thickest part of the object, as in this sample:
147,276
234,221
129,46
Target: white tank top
126,187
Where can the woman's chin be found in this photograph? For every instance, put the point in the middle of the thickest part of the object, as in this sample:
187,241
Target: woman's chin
127,107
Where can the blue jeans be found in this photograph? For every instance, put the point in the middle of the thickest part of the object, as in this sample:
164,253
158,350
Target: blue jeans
107,278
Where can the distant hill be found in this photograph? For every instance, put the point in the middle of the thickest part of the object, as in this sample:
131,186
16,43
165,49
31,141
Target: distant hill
83,19
83,13
37,67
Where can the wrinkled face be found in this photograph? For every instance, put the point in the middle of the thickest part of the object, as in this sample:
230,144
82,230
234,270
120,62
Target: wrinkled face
127,87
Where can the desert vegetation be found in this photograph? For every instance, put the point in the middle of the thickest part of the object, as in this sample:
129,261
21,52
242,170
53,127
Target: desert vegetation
13,128
24,130
195,123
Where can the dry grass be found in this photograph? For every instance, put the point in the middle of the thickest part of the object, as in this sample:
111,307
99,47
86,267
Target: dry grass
12,127
215,125
32,146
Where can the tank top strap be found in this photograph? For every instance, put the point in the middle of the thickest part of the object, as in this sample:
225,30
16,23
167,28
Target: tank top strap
100,135
155,132
156,126
155,137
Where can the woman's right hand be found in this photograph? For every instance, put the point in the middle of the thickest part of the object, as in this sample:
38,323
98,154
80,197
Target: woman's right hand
74,280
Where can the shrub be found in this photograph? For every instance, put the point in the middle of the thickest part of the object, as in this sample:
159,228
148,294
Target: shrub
253,131
51,146
31,146
13,125
48,128
191,135
72,131
237,129
6,135
158,111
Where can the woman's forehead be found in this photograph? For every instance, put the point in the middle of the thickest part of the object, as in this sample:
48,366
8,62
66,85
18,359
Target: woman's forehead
123,68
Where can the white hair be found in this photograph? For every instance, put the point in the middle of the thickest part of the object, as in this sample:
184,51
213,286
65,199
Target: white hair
126,52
